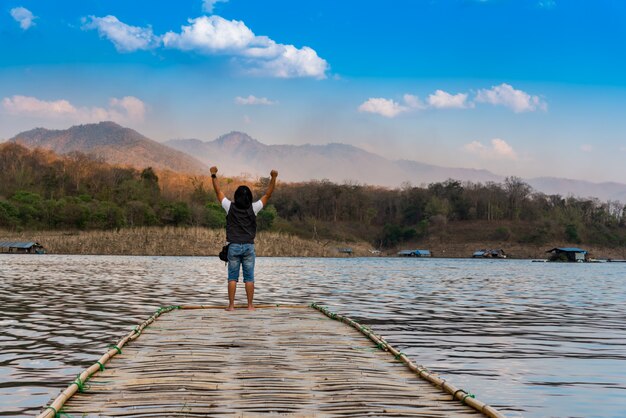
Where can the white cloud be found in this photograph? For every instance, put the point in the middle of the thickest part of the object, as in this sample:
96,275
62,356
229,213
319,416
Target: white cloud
413,102
286,61
214,35
134,108
384,107
443,100
262,56
211,35
498,149
30,105
126,109
126,38
586,148
23,16
253,100
505,95
208,5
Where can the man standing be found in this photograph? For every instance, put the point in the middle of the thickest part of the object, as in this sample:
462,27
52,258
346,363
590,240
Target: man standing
240,234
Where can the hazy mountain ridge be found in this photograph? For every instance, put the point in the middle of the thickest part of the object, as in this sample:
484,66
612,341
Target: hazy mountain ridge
237,152
113,143
582,188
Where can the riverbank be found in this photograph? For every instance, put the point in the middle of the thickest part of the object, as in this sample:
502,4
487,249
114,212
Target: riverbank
515,250
192,241
197,241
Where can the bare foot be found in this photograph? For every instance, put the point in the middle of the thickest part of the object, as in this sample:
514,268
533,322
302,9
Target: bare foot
251,308
230,308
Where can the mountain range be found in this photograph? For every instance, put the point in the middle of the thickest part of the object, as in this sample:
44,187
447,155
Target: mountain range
112,143
237,153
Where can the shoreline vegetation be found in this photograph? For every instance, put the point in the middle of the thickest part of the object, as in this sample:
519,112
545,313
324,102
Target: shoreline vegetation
79,204
198,241
176,241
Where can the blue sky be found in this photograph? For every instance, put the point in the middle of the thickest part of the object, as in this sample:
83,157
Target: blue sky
519,87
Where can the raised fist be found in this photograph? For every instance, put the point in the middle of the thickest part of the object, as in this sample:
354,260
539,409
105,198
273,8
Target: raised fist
274,173
213,170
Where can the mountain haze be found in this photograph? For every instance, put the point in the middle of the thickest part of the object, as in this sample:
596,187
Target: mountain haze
605,191
113,143
237,152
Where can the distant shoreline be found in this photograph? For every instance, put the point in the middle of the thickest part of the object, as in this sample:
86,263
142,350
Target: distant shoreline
197,241
175,241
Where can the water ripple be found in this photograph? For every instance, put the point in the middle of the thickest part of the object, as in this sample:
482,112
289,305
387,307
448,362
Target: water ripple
533,339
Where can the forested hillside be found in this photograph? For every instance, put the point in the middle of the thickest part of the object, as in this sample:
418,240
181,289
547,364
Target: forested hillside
41,190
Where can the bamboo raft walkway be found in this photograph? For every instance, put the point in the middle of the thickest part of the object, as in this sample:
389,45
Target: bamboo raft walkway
275,361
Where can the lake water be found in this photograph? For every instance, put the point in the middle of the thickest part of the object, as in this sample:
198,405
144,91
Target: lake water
532,339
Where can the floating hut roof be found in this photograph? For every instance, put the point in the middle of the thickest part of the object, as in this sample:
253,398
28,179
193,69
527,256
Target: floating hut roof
567,250
414,252
17,244
493,251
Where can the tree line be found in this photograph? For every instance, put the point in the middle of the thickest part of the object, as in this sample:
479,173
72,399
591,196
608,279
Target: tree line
42,190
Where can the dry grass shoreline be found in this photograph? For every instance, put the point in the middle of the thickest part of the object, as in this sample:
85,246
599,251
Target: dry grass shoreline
171,241
196,241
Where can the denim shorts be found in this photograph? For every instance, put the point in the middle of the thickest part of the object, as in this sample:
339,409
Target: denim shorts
241,255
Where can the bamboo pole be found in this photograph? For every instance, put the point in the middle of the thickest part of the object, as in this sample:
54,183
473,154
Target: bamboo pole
459,394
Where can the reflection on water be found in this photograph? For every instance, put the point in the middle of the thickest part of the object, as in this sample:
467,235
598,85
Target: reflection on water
532,339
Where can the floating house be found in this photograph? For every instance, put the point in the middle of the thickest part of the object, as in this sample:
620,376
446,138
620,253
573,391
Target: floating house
568,254
499,253
13,247
414,253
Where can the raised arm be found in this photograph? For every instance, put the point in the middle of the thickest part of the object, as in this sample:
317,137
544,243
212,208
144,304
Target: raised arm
270,188
216,186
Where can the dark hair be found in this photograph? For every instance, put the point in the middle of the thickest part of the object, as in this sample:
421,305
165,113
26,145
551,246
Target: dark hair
243,197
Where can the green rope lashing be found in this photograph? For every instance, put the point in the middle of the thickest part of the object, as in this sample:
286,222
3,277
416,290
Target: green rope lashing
166,309
101,366
81,385
119,350
467,395
137,331
399,355
56,413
